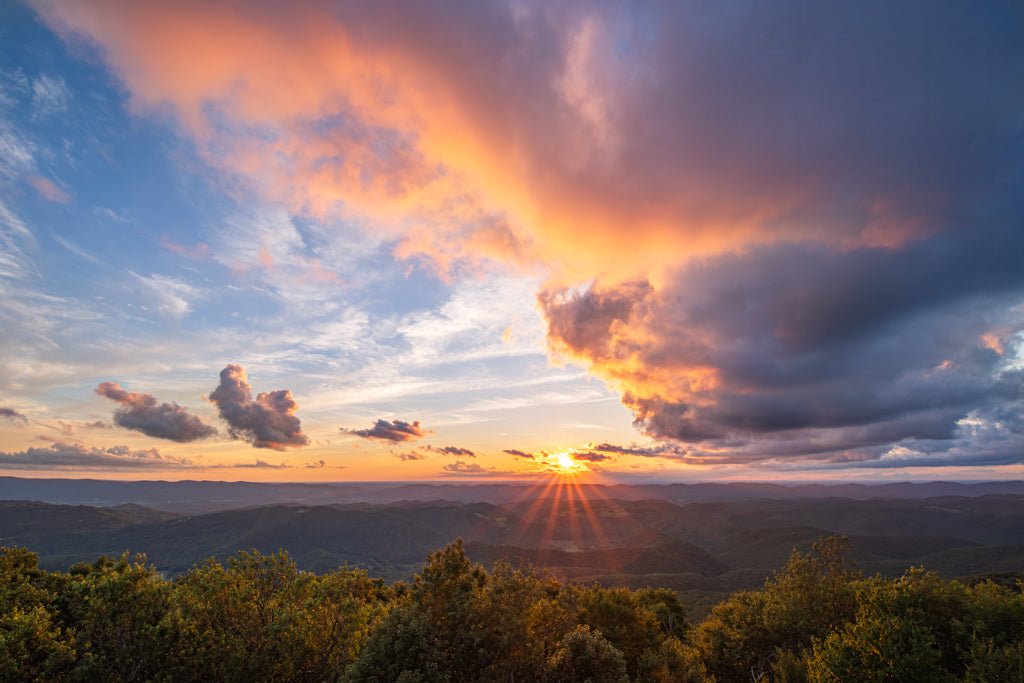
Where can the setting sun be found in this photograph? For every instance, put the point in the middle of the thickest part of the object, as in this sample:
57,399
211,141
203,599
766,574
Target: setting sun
565,464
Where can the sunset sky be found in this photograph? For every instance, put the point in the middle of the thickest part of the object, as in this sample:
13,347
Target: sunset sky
659,241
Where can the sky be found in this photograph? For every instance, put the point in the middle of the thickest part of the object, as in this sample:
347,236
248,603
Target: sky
473,241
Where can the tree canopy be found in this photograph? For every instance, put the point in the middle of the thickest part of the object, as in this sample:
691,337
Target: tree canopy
258,617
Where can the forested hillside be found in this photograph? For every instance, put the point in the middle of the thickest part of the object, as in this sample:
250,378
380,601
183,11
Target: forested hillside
703,550
259,617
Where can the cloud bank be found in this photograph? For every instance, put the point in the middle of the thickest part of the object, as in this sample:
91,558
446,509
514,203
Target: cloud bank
780,232
142,413
268,421
67,456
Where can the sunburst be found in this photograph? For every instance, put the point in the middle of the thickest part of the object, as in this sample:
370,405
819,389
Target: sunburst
562,462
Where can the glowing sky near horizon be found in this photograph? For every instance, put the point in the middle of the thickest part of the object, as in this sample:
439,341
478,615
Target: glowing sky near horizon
418,240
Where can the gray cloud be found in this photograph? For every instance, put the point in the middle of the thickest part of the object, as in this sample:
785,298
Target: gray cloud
261,465
67,456
518,453
798,350
391,430
460,467
12,415
410,455
269,421
656,451
591,456
142,413
452,450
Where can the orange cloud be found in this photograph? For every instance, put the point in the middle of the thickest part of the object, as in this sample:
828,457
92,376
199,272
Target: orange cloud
428,128
48,190
733,221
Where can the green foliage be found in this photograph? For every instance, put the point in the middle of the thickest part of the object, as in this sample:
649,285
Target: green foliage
118,611
33,646
259,618
810,597
878,648
991,663
585,656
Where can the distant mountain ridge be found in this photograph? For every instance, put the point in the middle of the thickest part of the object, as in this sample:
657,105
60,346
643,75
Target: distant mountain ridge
708,548
208,496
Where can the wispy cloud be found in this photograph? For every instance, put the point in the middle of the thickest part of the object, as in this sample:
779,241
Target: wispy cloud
452,450
49,190
50,95
12,415
461,468
67,456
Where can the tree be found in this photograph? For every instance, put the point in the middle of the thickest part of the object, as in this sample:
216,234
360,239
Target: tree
118,611
991,663
811,596
585,656
878,648
261,618
33,645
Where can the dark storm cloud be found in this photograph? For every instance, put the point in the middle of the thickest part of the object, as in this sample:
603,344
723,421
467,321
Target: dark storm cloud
12,415
387,430
142,413
452,450
269,421
61,456
895,130
794,349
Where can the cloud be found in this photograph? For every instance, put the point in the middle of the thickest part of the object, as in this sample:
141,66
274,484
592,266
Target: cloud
410,455
197,253
66,456
518,453
679,129
590,456
49,190
269,421
797,350
142,413
461,468
318,465
261,465
452,450
50,95
387,430
656,451
112,214
776,233
170,296
12,415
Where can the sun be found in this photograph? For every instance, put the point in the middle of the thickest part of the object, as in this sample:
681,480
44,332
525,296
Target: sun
565,464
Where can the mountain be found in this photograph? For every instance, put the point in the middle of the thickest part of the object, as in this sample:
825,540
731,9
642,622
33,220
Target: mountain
703,549
195,497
